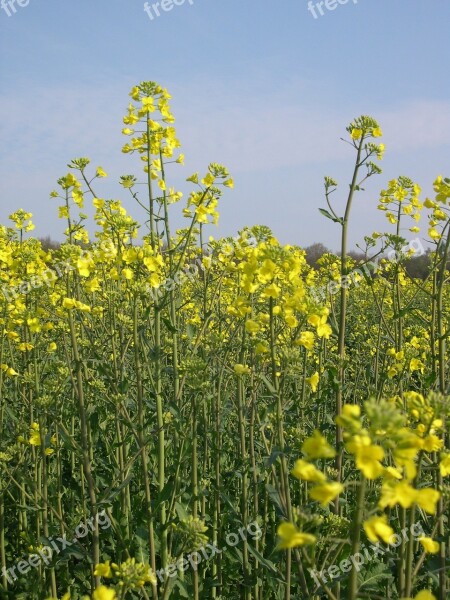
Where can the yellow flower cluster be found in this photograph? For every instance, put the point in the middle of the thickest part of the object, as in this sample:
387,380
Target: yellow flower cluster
387,439
129,574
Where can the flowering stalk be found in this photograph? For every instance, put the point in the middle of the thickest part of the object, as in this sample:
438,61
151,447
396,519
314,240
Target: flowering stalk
360,131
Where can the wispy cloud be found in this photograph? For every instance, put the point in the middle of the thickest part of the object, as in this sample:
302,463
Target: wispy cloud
249,132
417,125
246,132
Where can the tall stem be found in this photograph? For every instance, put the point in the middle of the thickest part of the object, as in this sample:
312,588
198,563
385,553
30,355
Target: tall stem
343,317
357,522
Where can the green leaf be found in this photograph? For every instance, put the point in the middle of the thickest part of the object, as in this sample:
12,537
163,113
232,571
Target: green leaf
264,561
269,386
181,585
371,577
181,512
328,215
116,491
68,441
275,497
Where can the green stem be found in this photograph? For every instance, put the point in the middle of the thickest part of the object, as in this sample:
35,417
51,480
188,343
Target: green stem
357,522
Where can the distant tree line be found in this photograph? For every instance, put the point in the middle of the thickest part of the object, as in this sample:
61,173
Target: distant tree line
48,244
417,267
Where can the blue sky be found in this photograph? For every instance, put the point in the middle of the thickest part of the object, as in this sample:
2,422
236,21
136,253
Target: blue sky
258,85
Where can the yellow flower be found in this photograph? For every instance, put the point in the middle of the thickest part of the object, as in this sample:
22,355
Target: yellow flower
252,326
153,263
52,347
445,465
324,330
313,381
291,321
317,446
429,545
356,133
35,436
34,325
306,339
81,306
432,443
128,273
367,461
381,149
93,285
101,173
320,322
314,320
430,204
406,450
351,410
290,536
193,178
306,471
68,303
272,291
135,93
103,570
434,233
147,104
103,593
427,499
350,417
393,493
208,180
241,369
84,266
326,492
377,132
416,365
25,347
391,218
391,473
98,203
424,595
357,442
376,529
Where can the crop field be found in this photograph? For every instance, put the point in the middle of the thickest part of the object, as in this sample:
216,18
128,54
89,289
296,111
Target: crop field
189,417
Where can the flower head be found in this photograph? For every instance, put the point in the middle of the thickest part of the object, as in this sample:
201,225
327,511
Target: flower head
290,536
317,446
377,528
307,472
326,492
103,593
